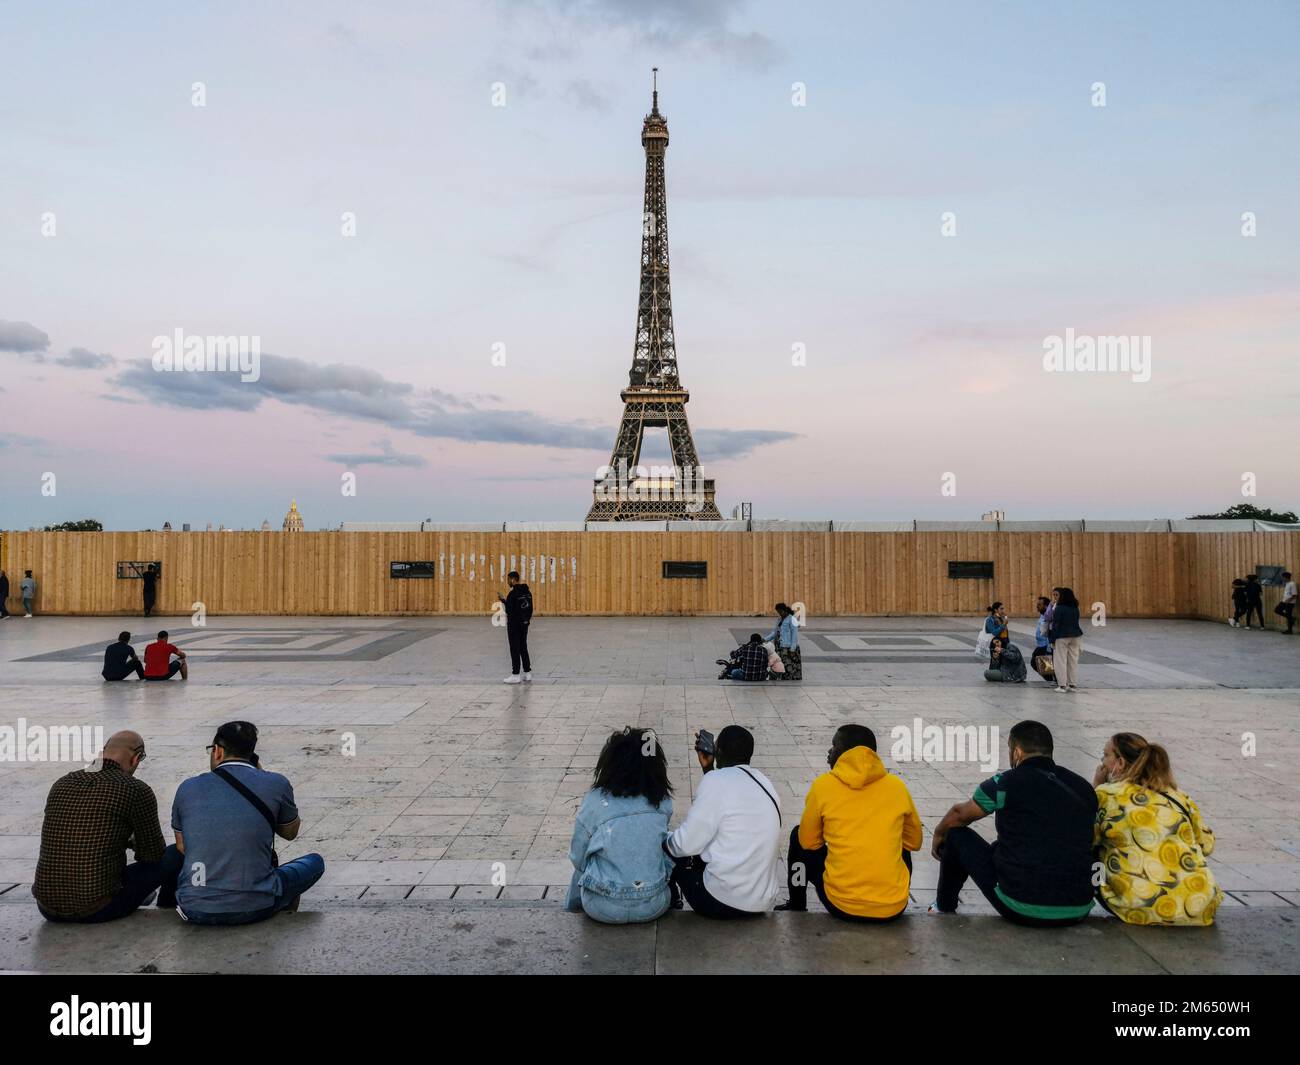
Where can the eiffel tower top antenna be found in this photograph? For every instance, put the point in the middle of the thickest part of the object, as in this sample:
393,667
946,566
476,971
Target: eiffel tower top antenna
654,83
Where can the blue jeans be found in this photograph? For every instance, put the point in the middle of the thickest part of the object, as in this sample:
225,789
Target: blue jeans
608,910
292,880
139,880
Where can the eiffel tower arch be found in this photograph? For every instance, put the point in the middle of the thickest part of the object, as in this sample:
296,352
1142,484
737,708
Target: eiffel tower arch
654,397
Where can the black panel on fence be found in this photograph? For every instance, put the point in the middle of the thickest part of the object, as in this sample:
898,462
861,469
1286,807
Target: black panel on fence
1270,576
686,570
413,570
134,571
970,571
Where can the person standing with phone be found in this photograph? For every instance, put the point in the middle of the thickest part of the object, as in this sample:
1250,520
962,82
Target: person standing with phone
519,613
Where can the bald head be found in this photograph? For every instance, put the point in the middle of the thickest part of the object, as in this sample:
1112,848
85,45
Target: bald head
126,748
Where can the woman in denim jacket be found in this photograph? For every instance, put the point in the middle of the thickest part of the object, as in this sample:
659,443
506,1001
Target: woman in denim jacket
620,869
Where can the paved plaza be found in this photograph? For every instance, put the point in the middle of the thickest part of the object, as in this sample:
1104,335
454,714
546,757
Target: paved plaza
458,780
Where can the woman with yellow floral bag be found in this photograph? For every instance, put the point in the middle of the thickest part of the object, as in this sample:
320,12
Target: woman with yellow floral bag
1150,840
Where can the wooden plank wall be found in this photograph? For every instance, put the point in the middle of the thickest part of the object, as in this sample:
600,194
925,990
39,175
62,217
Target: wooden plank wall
619,573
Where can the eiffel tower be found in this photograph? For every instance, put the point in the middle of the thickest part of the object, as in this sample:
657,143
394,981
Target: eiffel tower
654,397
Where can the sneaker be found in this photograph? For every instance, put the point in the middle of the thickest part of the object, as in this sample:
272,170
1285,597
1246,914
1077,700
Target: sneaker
528,678
787,907
153,897
1059,689
27,615
1074,687
512,679
1232,622
934,911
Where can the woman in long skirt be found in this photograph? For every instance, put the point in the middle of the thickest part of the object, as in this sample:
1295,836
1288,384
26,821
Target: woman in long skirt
786,637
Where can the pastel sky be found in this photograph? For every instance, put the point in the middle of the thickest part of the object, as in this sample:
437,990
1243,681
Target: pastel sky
518,225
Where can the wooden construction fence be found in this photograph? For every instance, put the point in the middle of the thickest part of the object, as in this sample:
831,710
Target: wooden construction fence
620,573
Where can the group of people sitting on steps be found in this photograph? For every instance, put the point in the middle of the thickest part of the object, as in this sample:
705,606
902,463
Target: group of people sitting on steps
222,868
1129,841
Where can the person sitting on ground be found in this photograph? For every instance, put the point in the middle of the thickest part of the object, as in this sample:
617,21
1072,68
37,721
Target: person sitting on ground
1150,840
226,821
727,853
120,660
1040,659
92,817
1039,872
1006,663
620,869
157,660
775,667
748,661
854,841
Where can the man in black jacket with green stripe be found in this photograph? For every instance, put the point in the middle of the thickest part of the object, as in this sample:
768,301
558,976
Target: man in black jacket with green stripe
1039,872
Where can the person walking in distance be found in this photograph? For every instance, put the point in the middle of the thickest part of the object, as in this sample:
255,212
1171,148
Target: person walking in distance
150,578
1254,599
28,588
1287,607
519,612
4,595
1239,602
1065,635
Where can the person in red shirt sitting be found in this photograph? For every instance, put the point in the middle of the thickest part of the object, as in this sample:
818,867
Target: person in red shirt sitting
157,660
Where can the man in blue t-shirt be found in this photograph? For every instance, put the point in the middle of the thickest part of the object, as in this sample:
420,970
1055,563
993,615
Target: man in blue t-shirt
226,822
1039,872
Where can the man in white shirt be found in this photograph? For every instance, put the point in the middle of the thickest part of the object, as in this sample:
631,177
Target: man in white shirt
726,854
1287,606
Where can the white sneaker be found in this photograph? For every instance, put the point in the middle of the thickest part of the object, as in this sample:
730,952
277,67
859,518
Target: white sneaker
528,677
512,679
27,615
1059,689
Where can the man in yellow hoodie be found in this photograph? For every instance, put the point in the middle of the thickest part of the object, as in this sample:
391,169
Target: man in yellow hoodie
859,825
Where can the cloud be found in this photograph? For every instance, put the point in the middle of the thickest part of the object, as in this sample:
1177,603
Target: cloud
701,27
81,359
24,338
586,97
387,457
354,392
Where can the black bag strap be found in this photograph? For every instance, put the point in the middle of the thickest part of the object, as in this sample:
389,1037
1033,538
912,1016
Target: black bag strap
1050,775
764,790
248,794
1186,813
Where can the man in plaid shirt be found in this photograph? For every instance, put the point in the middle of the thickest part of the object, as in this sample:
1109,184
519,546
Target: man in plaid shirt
91,817
748,661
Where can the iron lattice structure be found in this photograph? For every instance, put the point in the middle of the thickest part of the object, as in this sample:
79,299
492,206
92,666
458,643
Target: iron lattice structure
654,398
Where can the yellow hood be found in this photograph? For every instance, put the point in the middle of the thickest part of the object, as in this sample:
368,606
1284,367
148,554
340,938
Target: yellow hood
859,767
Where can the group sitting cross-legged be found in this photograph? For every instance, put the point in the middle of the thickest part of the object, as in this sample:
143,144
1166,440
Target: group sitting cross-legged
222,869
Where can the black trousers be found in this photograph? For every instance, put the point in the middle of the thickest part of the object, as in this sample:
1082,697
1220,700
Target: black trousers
1255,608
966,854
518,637
139,879
687,880
813,866
1288,612
148,604
137,669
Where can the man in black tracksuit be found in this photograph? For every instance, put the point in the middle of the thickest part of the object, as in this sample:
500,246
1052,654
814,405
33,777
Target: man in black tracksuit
519,612
1254,599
